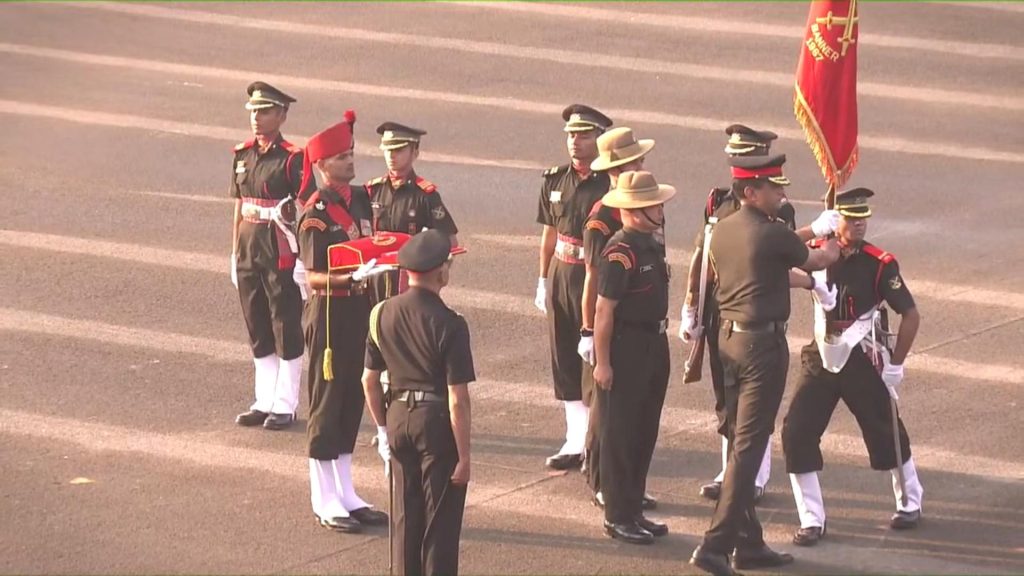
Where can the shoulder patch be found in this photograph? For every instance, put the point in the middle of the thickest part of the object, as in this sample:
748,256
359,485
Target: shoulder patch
554,170
878,254
595,224
621,258
374,182
313,223
243,145
426,185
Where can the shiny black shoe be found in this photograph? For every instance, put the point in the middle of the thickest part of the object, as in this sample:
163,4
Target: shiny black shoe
656,529
278,421
763,557
648,502
369,517
713,563
598,500
630,533
905,520
711,491
251,418
339,524
809,536
564,461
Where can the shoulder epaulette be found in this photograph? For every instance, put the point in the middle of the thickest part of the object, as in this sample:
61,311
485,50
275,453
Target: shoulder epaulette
554,170
291,148
426,185
374,181
877,253
243,145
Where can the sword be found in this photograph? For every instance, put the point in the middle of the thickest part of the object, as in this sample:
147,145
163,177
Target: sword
391,518
894,411
695,361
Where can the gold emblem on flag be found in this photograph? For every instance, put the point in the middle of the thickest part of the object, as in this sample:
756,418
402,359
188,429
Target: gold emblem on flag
818,45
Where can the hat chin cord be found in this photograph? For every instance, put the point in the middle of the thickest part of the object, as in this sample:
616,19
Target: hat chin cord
651,220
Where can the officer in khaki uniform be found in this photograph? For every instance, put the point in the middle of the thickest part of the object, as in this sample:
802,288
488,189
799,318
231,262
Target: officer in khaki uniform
425,431
618,151
267,178
566,198
721,203
863,371
632,353
752,254
335,319
403,201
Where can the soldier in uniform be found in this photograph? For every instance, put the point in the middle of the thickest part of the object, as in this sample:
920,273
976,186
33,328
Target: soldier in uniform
566,198
424,346
402,201
267,177
752,255
862,373
632,368
618,151
335,213
743,141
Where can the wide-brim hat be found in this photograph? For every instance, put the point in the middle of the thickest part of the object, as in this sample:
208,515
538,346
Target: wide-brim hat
618,147
637,189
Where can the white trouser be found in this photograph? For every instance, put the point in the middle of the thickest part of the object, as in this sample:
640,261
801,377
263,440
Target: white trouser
811,505
325,489
763,473
915,492
286,392
576,419
265,382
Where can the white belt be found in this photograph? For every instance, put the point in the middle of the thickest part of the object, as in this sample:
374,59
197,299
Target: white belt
568,250
257,212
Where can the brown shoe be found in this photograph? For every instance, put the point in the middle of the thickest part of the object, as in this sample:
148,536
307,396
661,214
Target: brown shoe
809,536
251,418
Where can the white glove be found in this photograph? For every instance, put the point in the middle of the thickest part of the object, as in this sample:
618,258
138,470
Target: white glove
586,349
540,300
382,444
299,276
234,270
688,324
826,223
366,270
892,375
824,294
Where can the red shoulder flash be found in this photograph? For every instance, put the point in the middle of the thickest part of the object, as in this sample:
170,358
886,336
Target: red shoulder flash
292,148
426,185
243,145
878,254
816,243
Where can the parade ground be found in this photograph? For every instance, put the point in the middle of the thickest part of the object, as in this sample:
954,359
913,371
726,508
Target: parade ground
124,356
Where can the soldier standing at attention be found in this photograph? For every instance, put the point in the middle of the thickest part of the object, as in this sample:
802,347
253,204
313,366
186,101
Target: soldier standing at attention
566,198
424,346
335,213
267,178
618,151
752,255
402,201
631,347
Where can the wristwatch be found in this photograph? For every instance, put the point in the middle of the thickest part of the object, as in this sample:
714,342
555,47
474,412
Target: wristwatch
586,332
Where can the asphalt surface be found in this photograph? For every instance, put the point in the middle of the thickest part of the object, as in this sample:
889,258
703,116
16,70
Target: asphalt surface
123,358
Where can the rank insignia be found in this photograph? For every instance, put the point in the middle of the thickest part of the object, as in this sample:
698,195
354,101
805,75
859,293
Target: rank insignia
895,283
319,205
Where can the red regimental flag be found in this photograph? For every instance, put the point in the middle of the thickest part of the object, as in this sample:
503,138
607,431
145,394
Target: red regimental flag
826,87
352,254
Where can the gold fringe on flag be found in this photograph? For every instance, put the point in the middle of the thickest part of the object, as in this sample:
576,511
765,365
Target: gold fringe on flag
835,176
